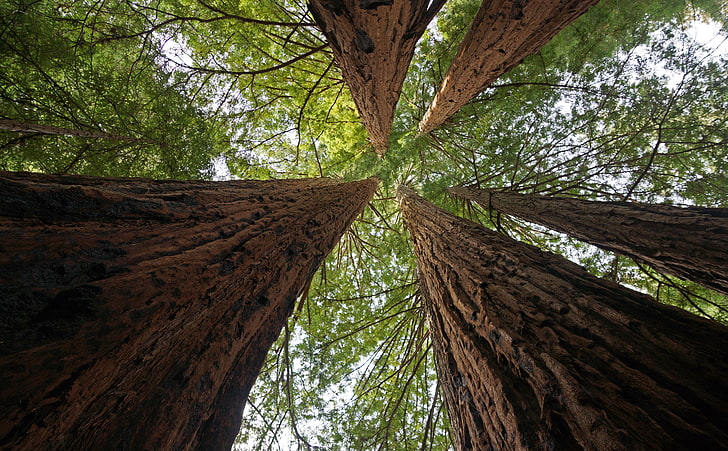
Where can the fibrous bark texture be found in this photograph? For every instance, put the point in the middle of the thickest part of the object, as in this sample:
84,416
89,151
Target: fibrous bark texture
690,243
136,314
373,42
534,353
503,32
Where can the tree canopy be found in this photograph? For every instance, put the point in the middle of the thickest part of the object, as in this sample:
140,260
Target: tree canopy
626,103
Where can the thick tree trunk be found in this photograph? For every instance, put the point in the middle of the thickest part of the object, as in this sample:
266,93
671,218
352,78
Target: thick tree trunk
535,353
373,42
27,127
136,314
690,243
502,34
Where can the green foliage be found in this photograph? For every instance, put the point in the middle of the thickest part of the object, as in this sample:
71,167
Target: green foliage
64,69
623,104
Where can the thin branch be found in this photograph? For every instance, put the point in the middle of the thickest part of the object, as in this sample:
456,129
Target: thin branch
255,72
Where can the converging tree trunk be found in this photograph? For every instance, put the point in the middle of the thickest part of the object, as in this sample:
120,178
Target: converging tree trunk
373,42
502,34
136,314
27,127
534,353
690,243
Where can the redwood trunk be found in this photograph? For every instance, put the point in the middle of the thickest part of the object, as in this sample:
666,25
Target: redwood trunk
502,34
690,243
136,314
536,353
373,42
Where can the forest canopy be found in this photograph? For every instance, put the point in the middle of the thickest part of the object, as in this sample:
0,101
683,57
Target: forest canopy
627,103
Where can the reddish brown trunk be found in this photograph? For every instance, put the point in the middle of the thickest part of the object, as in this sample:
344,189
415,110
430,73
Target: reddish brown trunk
690,243
501,35
373,42
136,314
535,353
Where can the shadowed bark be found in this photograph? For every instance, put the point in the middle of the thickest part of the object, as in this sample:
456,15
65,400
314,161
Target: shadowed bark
373,42
690,243
502,34
534,353
136,314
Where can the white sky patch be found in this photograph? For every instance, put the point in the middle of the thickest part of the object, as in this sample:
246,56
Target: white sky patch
176,52
708,34
710,41
221,170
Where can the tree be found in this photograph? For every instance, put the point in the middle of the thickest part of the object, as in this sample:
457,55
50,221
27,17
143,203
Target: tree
373,43
535,353
364,313
64,73
139,312
503,32
626,99
686,242
25,127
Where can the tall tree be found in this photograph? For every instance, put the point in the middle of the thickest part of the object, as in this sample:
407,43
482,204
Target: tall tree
373,43
690,243
511,136
502,33
138,312
535,353
267,82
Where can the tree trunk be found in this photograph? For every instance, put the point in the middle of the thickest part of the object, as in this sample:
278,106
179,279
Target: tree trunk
27,127
690,243
136,314
373,42
535,353
502,34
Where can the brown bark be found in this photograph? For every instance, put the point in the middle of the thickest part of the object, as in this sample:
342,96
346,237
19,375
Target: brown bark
27,127
373,42
136,314
502,34
690,243
535,353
